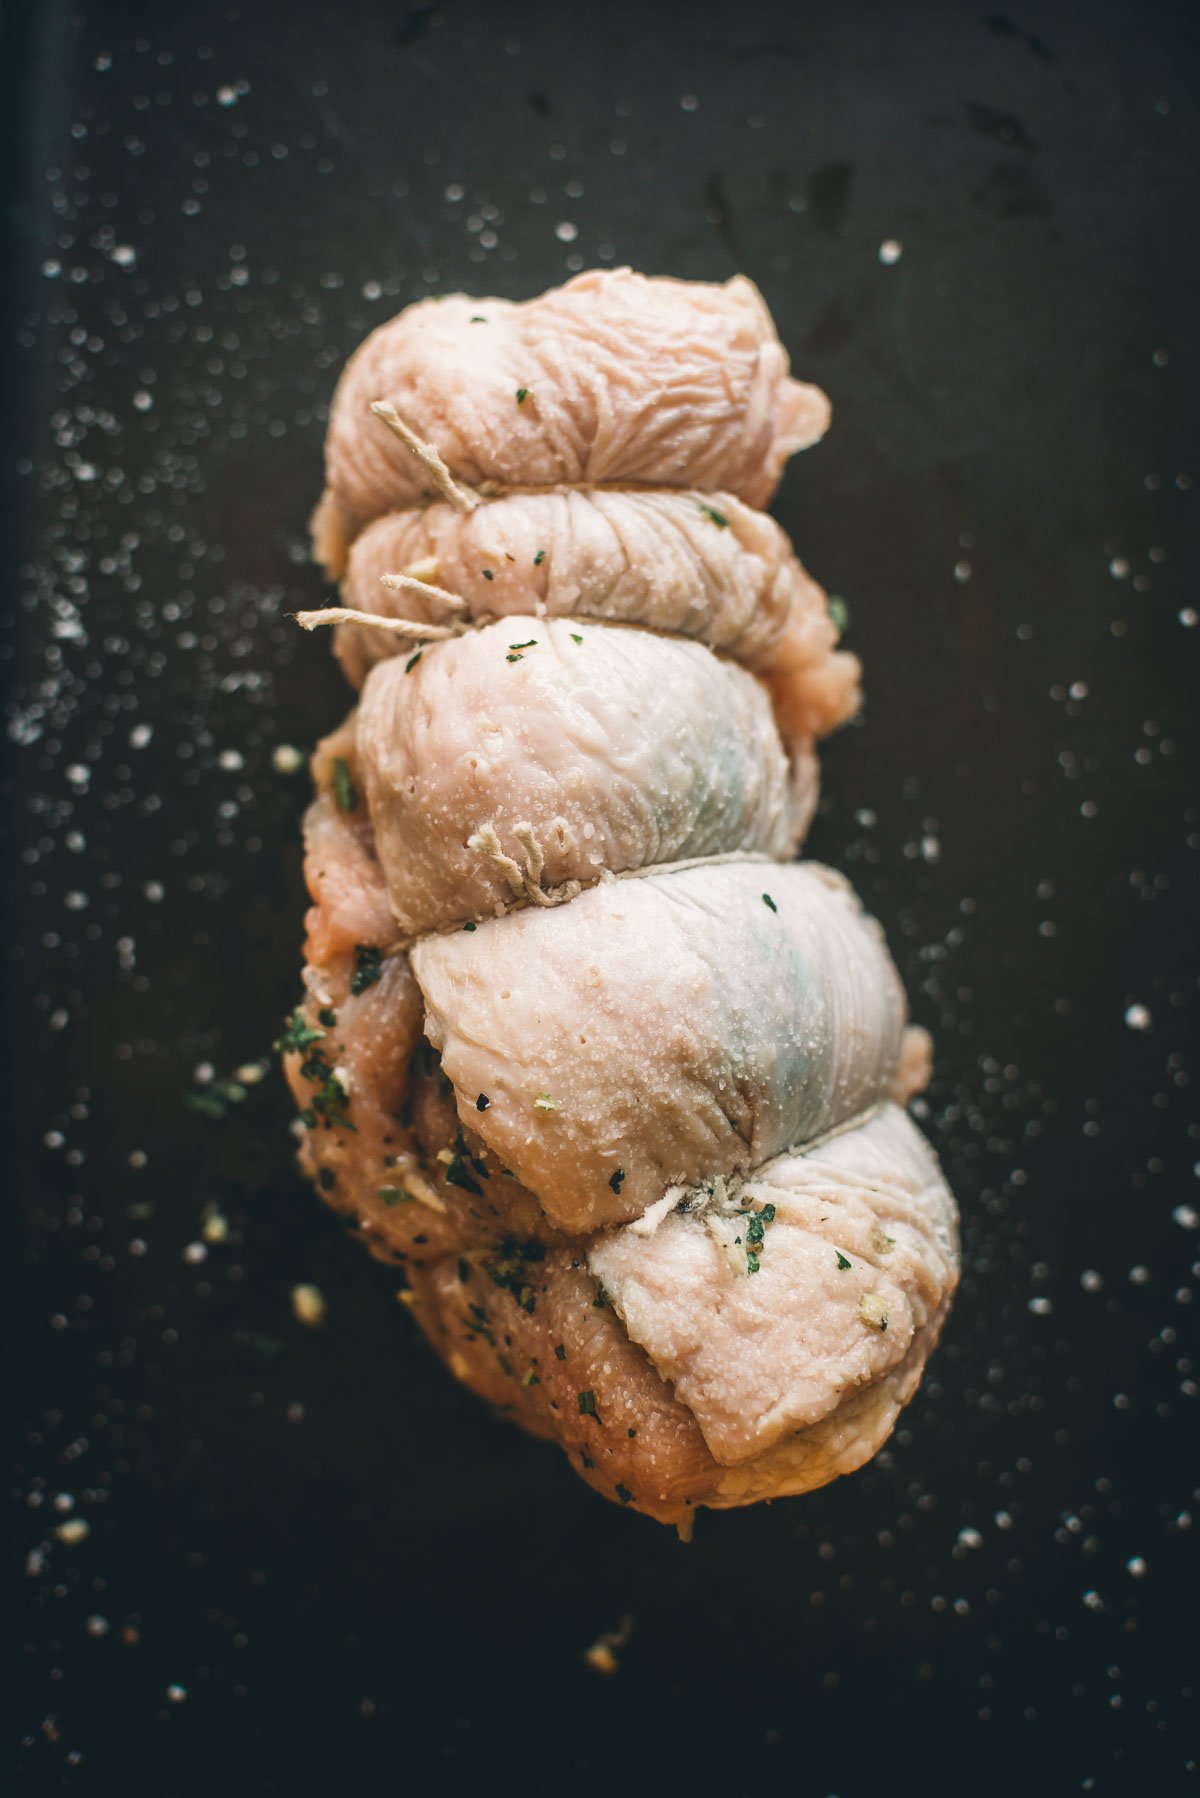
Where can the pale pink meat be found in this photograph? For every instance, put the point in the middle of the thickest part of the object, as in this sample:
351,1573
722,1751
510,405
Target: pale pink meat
682,563
626,378
582,1051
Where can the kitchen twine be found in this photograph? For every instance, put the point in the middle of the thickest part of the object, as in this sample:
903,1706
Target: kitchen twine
525,883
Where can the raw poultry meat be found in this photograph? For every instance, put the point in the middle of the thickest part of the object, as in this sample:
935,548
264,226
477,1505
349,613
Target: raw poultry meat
615,1081
614,377
611,749
686,564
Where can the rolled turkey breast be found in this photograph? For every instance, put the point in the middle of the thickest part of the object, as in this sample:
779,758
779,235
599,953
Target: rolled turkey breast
613,1080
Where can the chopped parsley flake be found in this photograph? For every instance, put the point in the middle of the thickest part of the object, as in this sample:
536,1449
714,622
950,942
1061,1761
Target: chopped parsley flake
769,902
587,1404
881,1242
344,796
530,643
839,611
758,1221
368,968
477,318
575,637
514,658
469,927
615,1179
297,1035
718,518
530,1379
482,1102
623,1493
488,575
539,558
412,661
842,1262
394,1195
522,395
560,1352
327,1016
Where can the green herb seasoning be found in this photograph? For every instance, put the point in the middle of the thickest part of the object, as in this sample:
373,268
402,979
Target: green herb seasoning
530,1379
587,1404
344,796
718,518
469,927
842,1262
615,1179
575,637
529,643
368,968
215,1099
539,558
328,1017
769,902
522,395
488,574
560,1352
623,1492
752,1262
477,318
297,1035
412,661
394,1195
839,611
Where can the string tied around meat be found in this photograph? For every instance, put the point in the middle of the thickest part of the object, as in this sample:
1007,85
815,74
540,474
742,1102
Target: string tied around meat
440,478
526,882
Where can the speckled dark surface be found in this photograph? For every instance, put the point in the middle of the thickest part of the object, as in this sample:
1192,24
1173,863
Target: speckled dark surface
313,1563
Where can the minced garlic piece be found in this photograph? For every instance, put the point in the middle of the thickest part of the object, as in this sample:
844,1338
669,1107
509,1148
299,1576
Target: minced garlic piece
873,1311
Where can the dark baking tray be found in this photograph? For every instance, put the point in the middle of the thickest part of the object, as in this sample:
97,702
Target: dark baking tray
356,1578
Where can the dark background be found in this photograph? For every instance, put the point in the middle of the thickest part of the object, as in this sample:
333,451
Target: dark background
360,1581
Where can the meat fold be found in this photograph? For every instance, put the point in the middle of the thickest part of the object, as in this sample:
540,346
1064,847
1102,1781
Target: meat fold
574,749
767,1302
661,1031
681,563
642,1381
616,377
